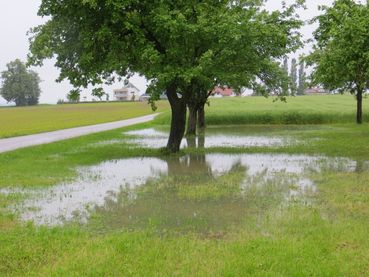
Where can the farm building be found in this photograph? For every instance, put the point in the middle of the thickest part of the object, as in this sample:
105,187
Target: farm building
127,93
223,92
315,91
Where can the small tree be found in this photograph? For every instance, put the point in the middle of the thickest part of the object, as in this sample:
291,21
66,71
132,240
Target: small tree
74,96
302,79
285,69
98,92
293,77
285,64
20,85
341,54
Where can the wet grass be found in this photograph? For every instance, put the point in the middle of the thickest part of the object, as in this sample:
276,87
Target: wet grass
329,239
57,161
325,238
16,121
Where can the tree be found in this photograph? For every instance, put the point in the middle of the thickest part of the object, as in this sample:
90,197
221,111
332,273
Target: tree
293,77
285,70
98,92
20,85
285,64
74,96
302,79
254,66
341,55
196,116
182,47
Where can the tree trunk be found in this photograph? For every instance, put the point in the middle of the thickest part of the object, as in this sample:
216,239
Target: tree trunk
178,121
359,114
201,116
191,141
192,121
201,140
360,166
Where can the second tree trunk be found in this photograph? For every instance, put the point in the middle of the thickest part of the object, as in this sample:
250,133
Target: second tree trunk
359,114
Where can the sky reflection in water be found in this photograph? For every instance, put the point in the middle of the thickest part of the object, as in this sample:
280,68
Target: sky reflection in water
153,138
189,193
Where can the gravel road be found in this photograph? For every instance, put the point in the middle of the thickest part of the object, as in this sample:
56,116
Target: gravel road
9,144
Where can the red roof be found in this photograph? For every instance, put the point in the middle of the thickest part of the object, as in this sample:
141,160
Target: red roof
223,91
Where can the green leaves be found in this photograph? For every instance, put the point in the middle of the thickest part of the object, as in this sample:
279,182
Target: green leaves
20,85
341,51
206,42
98,92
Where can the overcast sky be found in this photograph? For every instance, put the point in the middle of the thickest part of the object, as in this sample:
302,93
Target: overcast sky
18,16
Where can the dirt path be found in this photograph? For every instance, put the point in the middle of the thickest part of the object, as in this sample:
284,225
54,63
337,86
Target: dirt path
10,144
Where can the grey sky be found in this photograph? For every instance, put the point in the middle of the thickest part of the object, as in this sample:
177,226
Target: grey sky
18,16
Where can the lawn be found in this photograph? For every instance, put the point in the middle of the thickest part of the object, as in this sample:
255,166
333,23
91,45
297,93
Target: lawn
16,121
324,109
325,236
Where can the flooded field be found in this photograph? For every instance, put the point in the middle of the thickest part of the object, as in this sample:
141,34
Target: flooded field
197,193
295,198
201,193
215,137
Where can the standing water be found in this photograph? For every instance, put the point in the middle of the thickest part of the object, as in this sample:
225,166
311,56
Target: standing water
195,192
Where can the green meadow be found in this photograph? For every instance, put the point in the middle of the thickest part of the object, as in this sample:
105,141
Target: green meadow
323,109
236,230
17,121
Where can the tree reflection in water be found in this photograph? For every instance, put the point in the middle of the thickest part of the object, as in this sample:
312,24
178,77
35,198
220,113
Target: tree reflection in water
192,198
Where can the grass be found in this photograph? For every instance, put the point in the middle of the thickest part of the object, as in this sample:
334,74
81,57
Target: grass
16,121
325,109
325,238
329,239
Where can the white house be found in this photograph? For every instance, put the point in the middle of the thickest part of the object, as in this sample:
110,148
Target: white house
127,93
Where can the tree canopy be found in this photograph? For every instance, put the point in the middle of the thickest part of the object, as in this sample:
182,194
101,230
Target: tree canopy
183,47
340,58
20,85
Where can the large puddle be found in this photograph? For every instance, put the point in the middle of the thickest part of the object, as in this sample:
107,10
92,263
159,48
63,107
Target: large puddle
215,137
197,193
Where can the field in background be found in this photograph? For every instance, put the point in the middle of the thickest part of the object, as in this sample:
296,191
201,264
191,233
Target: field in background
326,109
16,121
322,109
